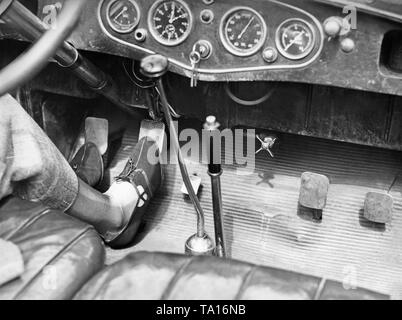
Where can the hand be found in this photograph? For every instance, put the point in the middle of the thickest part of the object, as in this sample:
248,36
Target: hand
172,13
179,17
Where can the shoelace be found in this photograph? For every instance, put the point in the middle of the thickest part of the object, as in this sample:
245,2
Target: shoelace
125,176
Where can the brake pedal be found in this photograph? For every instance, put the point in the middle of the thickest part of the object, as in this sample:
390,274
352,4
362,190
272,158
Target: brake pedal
155,130
378,207
313,190
97,132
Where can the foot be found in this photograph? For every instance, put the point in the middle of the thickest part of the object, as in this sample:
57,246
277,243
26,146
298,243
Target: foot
144,172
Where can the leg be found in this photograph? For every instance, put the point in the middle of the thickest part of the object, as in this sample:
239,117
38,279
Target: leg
117,213
31,167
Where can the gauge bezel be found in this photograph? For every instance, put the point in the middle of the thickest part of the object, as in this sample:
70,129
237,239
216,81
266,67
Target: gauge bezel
156,35
111,25
226,43
278,39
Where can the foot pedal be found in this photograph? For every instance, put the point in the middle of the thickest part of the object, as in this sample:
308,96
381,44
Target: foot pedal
313,190
97,132
154,130
378,207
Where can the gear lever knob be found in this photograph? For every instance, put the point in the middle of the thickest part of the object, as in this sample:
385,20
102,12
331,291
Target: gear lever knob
154,66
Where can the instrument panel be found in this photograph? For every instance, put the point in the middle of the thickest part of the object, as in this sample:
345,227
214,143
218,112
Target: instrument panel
261,35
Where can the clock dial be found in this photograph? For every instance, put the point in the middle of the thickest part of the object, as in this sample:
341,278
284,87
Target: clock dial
170,22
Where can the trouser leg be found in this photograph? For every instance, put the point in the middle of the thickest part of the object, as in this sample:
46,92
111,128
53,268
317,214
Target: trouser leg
31,166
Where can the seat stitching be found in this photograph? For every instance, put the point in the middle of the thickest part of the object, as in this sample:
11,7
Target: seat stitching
69,245
245,283
27,223
173,281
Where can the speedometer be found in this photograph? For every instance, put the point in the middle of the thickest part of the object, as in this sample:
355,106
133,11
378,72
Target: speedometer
170,21
243,31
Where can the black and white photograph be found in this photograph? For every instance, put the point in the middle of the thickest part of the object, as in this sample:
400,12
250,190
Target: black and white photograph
200,154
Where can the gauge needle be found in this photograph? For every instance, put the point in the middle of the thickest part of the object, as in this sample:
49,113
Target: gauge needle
121,12
172,14
297,38
245,28
184,15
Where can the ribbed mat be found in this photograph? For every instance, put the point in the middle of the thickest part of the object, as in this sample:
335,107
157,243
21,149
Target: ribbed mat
264,225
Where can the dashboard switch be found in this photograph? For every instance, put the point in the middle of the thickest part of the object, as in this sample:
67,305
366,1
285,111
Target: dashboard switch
206,16
336,26
332,27
204,48
140,35
270,54
347,45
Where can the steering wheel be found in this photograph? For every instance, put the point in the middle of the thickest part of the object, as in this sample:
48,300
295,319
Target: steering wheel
31,62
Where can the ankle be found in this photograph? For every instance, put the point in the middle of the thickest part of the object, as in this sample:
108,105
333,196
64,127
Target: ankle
124,199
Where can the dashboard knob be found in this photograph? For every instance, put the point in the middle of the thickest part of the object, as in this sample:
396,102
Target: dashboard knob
348,45
333,27
270,54
154,66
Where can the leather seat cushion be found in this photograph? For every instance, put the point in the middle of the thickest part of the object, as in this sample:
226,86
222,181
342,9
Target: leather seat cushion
60,253
145,275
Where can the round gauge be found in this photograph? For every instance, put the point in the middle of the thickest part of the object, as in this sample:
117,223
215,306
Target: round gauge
170,22
295,39
123,15
243,31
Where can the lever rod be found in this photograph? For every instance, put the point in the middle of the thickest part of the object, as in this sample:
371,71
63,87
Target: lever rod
215,172
155,66
183,168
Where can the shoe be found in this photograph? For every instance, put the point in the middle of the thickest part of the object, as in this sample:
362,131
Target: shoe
146,177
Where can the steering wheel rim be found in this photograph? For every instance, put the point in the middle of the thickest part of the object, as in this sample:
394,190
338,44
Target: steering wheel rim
30,63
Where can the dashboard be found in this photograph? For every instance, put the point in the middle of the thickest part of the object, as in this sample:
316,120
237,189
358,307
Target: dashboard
255,40
216,37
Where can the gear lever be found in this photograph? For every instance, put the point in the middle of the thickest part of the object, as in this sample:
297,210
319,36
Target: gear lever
215,172
155,66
